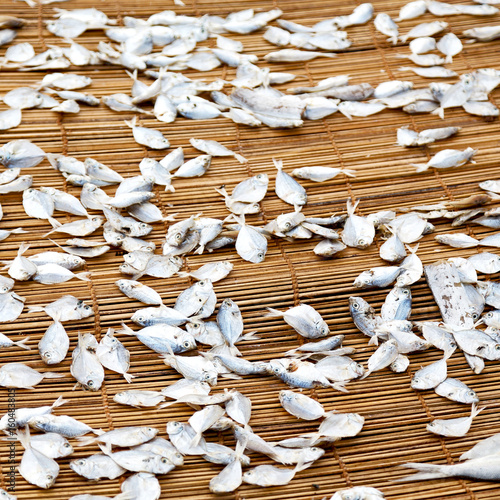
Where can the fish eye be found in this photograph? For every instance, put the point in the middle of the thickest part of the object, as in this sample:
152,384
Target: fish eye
88,308
324,330
288,225
475,316
5,289
178,237
355,305
361,241
202,283
186,344
67,445
260,176
81,462
90,383
406,292
497,347
47,355
276,369
50,477
96,219
471,393
164,460
260,255
489,315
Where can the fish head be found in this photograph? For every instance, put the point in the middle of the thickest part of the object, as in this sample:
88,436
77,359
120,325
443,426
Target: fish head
122,398
65,449
149,432
210,377
286,396
261,179
187,342
249,476
312,454
80,466
321,328
174,428
163,465
359,306
275,367
195,327
75,261
50,357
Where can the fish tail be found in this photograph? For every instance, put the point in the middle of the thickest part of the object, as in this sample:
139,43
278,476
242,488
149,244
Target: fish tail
169,218
126,330
183,274
351,207
426,471
85,276
373,340
475,411
421,167
53,221
249,336
338,386
222,191
273,313
169,187
59,402
128,377
348,172
22,344
105,448
199,250
131,123
412,250
196,440
438,111
393,40
19,230
448,60
240,158
24,436
53,375
234,351
166,405
278,163
23,248
32,309
85,440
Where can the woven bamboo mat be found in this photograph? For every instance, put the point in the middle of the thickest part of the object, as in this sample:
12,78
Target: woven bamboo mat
395,414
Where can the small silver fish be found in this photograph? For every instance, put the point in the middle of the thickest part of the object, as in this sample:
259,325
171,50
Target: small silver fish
85,365
300,405
304,319
113,355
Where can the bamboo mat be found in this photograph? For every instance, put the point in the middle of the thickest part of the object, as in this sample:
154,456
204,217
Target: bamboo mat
395,414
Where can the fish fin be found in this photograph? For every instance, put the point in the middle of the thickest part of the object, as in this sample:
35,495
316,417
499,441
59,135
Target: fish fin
53,375
85,276
59,402
426,471
348,172
138,275
373,340
278,163
128,377
345,113
183,274
241,445
22,344
421,167
240,158
368,372
166,405
448,60
273,313
19,230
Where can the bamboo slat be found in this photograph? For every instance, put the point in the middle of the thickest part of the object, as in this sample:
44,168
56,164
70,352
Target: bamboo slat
395,414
